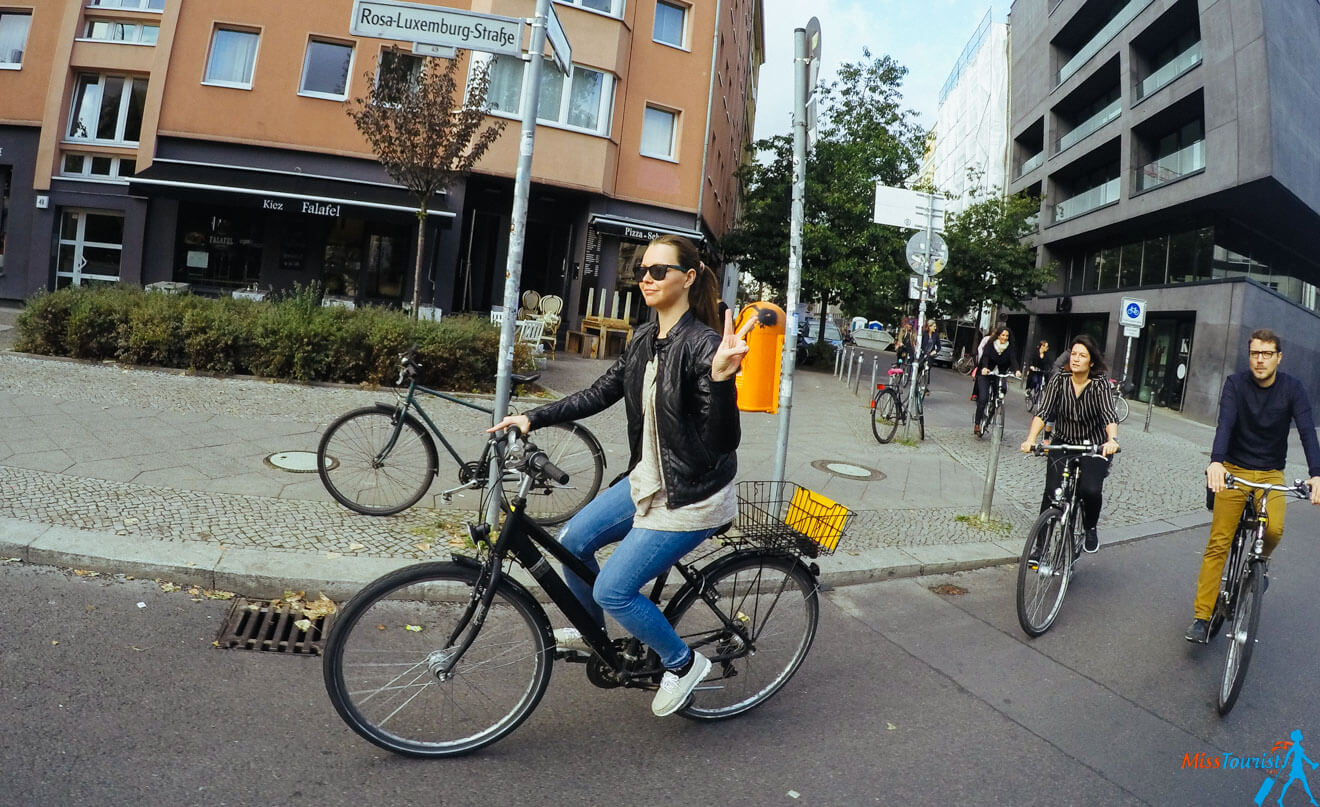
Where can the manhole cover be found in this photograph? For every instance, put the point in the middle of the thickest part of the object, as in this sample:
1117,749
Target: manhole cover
256,625
848,470
298,462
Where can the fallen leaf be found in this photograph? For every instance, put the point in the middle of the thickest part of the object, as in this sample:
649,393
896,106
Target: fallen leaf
380,627
413,628
303,625
89,608
135,648
86,573
356,547
55,642
890,726
322,607
13,560
793,794
424,546
168,587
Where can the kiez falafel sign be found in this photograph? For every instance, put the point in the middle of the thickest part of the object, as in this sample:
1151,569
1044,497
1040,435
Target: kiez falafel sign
411,22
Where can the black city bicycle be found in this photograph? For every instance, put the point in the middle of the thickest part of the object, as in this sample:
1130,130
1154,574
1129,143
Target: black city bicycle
1242,584
443,658
889,406
380,460
1033,390
1121,407
1053,545
997,392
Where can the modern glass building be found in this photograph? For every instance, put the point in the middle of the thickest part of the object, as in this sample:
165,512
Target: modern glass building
1173,145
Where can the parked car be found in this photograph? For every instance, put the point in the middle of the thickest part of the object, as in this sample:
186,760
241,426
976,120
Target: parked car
811,330
943,354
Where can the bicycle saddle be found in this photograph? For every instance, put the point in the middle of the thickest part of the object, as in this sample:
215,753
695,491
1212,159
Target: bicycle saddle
896,371
530,378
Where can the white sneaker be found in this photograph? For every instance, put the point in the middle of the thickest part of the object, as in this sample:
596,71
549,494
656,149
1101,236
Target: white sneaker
674,690
571,639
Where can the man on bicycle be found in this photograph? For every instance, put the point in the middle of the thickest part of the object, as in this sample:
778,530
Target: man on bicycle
1251,442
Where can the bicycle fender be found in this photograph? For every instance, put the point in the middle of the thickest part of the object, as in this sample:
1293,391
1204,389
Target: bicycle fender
591,439
689,592
517,590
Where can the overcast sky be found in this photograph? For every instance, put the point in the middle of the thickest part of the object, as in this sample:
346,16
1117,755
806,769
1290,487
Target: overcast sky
925,36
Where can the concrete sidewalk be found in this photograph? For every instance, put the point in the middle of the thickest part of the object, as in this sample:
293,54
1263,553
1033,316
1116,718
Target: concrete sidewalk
164,474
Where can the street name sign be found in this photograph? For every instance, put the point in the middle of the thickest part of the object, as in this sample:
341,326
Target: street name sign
433,25
559,47
900,207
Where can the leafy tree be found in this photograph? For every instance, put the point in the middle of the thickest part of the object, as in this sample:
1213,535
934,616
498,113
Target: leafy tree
991,258
866,137
420,133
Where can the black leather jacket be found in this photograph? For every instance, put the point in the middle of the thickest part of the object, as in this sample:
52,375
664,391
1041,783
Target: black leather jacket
698,417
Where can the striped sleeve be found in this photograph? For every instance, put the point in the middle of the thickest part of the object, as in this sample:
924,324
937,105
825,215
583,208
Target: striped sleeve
1105,399
1049,399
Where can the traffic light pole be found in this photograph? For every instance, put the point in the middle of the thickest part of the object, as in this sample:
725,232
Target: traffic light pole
789,361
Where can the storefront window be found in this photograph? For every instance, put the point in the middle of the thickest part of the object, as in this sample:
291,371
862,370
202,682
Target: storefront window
1108,278
219,247
625,285
4,210
365,260
1154,263
1129,271
1189,255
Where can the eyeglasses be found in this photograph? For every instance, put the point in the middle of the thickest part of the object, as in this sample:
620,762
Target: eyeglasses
658,271
1263,354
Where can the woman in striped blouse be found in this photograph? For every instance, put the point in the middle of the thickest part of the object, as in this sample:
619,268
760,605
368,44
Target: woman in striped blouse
1082,409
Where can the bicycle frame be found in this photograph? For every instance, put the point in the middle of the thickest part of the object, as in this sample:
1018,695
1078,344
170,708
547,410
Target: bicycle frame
527,544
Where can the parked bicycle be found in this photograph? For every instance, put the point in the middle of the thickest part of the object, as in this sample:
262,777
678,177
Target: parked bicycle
997,393
1120,400
443,658
381,459
1053,545
1243,583
889,407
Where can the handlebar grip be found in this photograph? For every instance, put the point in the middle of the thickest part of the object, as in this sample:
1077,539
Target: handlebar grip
542,464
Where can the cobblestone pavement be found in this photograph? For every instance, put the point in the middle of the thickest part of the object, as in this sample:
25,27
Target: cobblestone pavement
175,457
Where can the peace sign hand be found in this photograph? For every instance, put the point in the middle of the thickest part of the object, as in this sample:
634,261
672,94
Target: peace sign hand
728,358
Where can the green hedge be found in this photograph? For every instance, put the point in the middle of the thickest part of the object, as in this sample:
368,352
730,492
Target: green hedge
288,337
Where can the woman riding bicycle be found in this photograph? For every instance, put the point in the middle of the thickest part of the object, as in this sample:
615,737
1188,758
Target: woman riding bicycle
676,378
1082,409
1038,368
996,356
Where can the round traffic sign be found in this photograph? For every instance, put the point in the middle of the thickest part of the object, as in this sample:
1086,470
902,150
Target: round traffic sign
925,251
1133,310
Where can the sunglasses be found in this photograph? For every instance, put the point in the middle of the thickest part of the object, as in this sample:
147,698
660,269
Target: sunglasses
658,271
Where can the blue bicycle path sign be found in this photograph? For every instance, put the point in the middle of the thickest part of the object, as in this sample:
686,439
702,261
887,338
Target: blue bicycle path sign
1132,312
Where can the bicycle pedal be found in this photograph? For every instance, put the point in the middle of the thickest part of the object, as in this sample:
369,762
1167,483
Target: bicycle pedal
572,656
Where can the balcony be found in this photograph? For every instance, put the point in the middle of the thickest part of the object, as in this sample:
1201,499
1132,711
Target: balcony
1087,200
1032,163
1091,124
1171,167
1171,70
1102,37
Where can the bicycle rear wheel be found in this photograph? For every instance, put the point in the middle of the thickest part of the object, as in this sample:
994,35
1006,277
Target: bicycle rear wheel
988,417
884,415
1043,573
773,598
1241,636
383,652
1121,408
577,453
360,473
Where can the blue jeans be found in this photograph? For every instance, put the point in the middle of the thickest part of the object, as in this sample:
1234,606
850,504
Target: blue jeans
640,556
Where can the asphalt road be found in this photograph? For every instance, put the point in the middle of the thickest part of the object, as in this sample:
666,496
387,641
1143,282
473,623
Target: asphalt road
909,697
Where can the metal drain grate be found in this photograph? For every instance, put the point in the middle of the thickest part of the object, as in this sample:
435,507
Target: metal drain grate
255,625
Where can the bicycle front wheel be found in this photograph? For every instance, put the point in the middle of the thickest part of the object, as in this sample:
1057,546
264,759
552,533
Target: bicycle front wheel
1121,408
1241,636
375,463
988,417
383,656
773,598
884,415
577,453
1043,573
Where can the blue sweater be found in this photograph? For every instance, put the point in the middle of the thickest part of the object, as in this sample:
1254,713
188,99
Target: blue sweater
1253,423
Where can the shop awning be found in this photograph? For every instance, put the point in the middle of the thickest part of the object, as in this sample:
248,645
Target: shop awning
272,190
641,230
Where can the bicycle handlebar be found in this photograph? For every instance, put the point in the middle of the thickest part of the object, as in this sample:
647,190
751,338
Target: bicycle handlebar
536,461
1298,488
407,364
1085,448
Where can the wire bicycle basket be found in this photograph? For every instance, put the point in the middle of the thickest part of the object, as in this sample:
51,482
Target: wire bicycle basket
787,516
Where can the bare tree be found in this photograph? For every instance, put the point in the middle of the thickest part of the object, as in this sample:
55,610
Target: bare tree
420,133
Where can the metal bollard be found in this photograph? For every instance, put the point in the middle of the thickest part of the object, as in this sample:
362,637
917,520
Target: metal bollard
858,384
992,469
1150,404
838,360
874,363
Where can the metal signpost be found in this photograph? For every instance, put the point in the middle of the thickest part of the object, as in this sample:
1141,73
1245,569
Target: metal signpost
805,65
445,28
1132,316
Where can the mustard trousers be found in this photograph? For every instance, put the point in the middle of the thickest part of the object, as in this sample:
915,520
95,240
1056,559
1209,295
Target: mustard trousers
1228,509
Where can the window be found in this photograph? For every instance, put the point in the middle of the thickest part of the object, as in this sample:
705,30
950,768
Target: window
137,5
121,31
392,59
97,166
326,69
584,102
108,109
233,57
13,39
670,20
658,127
612,7
90,245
